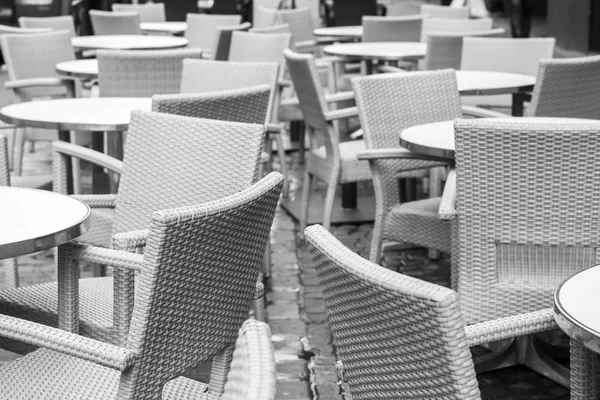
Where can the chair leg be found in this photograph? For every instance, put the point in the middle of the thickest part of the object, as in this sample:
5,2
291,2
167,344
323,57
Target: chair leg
584,373
20,147
283,163
329,198
76,169
305,199
267,261
219,371
11,269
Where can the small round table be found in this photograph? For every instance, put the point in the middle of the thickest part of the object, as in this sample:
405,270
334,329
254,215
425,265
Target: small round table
481,83
99,115
82,69
34,220
128,42
172,27
386,51
351,32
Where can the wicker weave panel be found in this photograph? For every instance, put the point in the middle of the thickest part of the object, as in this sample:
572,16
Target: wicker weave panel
202,29
115,23
300,21
392,29
454,25
141,73
63,22
258,47
525,185
397,337
149,12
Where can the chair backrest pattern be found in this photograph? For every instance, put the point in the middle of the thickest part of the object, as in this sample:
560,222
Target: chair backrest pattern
454,25
149,12
4,169
115,23
392,29
202,29
221,51
300,22
54,23
397,336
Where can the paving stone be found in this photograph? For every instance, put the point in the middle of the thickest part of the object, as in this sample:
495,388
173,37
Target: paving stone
293,390
282,311
286,296
296,326
286,281
291,370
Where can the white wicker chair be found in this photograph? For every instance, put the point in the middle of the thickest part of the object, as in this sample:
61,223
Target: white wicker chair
202,30
228,155
398,337
301,27
454,25
280,28
436,11
149,12
399,8
63,22
191,251
115,23
221,51
392,29
263,16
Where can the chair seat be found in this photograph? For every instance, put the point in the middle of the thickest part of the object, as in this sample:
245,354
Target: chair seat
32,181
59,376
352,169
101,228
418,222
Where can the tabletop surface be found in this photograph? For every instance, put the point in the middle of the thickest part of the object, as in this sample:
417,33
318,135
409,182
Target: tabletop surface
167,26
378,50
489,82
352,30
129,42
100,113
79,68
437,139
34,220
576,302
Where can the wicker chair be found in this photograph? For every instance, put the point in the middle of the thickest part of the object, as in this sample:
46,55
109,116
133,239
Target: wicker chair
520,56
228,155
141,73
398,337
11,272
399,8
567,88
263,17
221,51
521,231
436,11
280,28
301,25
63,22
115,23
191,251
392,29
454,25
202,30
149,12
327,159
444,50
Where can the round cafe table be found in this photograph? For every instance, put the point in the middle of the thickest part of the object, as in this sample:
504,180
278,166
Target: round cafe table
386,51
128,42
82,69
172,27
33,220
99,115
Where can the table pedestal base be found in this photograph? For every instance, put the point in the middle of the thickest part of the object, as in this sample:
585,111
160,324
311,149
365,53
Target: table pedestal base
363,213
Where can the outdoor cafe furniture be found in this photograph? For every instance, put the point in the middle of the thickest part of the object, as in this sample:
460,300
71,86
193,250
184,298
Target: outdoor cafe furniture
202,30
172,27
81,69
55,23
149,12
230,155
115,23
402,337
454,25
128,42
437,11
392,29
180,270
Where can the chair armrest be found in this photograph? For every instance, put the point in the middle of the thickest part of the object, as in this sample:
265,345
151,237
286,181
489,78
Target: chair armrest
89,155
284,83
130,241
339,96
101,255
34,82
398,153
389,69
341,113
448,204
482,112
273,128
510,327
98,200
305,45
64,342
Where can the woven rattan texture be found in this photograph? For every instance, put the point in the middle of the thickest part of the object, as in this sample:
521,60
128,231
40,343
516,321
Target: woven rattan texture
115,23
141,73
426,97
568,88
258,47
454,25
149,12
392,29
202,29
532,188
300,22
221,50
397,337
55,23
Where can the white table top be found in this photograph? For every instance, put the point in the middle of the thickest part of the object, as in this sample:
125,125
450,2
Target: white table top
576,308
355,31
489,82
85,69
168,26
128,42
87,114
437,139
378,50
34,220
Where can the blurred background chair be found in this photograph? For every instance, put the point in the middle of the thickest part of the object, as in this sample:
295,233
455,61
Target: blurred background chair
454,25
401,7
115,23
392,29
149,12
437,11
203,30
64,22
221,51
401,337
81,18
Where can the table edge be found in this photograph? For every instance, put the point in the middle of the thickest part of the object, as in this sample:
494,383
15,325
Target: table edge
426,150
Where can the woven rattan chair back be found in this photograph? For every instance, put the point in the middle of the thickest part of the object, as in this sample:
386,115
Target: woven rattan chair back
258,47
149,12
34,56
568,88
396,336
15,30
444,50
192,251
263,17
392,29
221,52
248,105
399,8
63,22
528,212
172,141
280,28
203,29
300,21
141,73
4,169
454,25
437,11
115,23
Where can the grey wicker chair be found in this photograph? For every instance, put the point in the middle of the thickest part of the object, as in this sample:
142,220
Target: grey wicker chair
398,337
141,73
437,11
228,155
149,12
521,230
115,23
327,159
222,50
454,25
203,30
63,22
392,29
191,252
11,272
279,28
301,25
398,8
